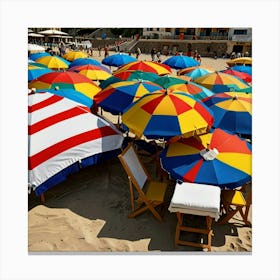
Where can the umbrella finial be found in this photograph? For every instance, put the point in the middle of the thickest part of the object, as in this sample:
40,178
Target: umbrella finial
56,88
209,154
235,97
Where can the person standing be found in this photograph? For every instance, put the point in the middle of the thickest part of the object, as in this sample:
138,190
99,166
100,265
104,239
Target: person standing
153,54
138,52
106,51
158,57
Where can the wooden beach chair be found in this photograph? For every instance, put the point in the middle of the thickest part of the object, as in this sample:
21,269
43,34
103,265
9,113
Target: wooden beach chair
233,201
145,192
190,200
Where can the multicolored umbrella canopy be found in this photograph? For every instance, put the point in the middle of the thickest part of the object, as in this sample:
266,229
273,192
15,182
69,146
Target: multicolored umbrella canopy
190,69
183,77
180,62
118,96
242,68
33,63
35,71
164,115
146,66
93,72
72,55
118,59
241,75
133,75
240,61
64,80
232,111
197,72
217,158
109,81
53,62
84,61
167,81
34,56
197,91
221,82
70,94
62,137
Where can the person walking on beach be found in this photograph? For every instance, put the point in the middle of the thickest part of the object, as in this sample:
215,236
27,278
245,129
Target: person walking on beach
153,54
99,50
106,51
195,54
138,52
198,58
158,57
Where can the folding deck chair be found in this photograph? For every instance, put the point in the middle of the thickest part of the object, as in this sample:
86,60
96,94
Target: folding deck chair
199,200
147,194
233,201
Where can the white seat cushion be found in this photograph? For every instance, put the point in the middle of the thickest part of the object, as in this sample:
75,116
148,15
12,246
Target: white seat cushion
196,199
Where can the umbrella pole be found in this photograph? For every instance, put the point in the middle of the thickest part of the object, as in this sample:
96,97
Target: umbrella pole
119,121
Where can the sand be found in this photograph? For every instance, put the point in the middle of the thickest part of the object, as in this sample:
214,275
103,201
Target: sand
89,213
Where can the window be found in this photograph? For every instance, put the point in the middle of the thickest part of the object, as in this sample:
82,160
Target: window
240,32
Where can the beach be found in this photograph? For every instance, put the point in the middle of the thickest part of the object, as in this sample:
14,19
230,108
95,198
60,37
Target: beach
89,211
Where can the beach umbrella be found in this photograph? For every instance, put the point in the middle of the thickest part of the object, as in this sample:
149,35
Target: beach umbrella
218,158
35,35
118,59
164,115
180,62
63,137
240,61
221,82
183,77
93,72
167,81
72,55
135,75
232,111
35,48
33,63
84,61
146,66
64,80
241,75
53,62
35,71
118,96
70,94
243,68
34,56
196,72
109,81
190,69
197,91
52,32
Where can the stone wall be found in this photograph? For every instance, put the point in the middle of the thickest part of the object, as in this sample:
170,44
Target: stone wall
204,48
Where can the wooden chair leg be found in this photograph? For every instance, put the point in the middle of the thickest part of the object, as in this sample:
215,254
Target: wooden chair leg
229,214
43,198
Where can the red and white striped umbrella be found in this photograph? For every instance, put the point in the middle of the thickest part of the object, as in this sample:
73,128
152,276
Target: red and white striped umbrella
64,135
